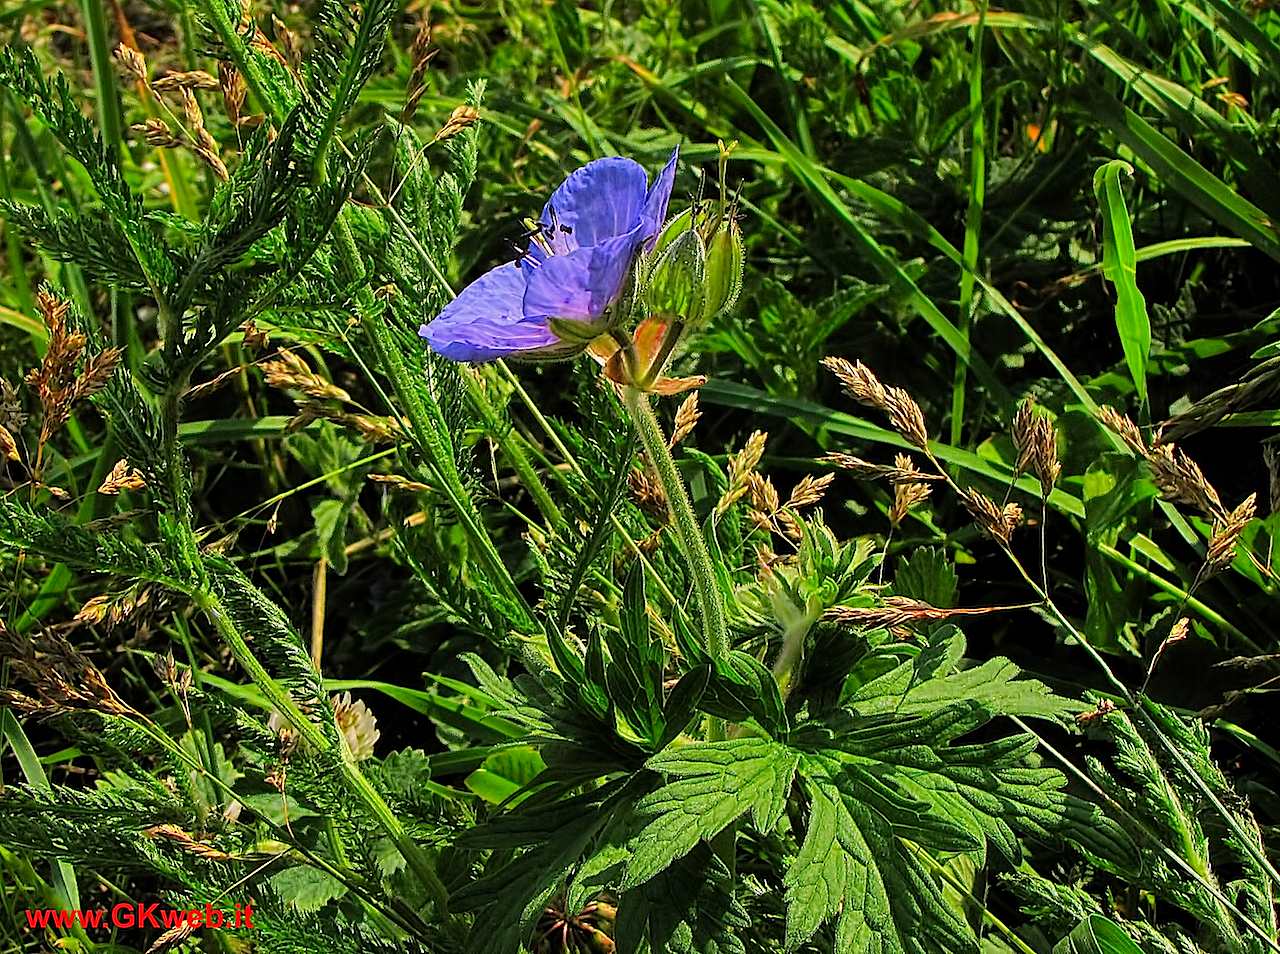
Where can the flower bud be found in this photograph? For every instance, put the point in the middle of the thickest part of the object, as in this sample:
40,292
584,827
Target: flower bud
725,260
675,286
676,226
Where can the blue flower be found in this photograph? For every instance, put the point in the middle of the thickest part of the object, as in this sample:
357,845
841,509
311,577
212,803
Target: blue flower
577,266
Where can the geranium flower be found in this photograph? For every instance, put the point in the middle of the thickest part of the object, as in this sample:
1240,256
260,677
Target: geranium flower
577,266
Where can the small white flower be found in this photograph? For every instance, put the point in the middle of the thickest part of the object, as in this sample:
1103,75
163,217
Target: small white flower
357,724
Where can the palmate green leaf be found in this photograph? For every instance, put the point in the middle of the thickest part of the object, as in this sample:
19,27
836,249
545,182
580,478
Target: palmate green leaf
852,865
688,909
716,783
991,791
511,894
994,685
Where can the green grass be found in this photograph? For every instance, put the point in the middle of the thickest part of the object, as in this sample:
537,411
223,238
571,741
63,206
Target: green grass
1074,203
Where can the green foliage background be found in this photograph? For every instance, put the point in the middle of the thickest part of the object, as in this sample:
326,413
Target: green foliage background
1061,742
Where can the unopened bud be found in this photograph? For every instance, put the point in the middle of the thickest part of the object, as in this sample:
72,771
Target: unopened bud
725,259
676,283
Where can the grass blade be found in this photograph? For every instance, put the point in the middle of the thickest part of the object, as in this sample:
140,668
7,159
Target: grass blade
1120,265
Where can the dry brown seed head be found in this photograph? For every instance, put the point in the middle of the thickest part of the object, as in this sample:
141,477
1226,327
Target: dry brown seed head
1010,520
1226,536
1024,422
648,494
859,381
741,466
123,477
289,41
906,417
205,388
863,469
174,935
1047,465
907,495
191,108
420,55
156,133
995,521
191,79
809,491
1180,480
60,674
130,61
1124,428
420,49
763,495
790,525
234,91
206,149
97,372
399,483
687,417
371,428
188,843
8,446
287,371
463,117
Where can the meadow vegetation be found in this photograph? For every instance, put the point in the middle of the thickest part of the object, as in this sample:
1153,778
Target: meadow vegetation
889,566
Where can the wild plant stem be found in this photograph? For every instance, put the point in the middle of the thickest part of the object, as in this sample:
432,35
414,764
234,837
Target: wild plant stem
509,441
1139,709
715,631
311,734
426,437
689,532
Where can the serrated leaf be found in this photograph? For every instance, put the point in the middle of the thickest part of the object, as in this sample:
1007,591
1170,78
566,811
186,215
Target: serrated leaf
929,576
995,685
688,909
330,518
853,867
716,783
306,889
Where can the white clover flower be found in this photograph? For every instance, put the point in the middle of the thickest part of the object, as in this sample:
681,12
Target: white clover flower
357,724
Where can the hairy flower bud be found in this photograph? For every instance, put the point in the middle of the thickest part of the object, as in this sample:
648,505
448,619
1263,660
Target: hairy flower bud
725,260
697,266
676,284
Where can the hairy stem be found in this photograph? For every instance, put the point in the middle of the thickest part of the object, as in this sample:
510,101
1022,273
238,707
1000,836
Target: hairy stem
689,532
310,733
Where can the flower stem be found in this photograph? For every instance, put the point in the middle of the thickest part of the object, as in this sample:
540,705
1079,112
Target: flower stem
686,524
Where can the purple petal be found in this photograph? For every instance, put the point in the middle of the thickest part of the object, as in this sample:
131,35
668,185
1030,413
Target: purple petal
487,320
655,203
600,201
583,283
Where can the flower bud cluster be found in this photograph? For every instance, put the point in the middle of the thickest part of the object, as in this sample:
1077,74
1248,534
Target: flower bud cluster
695,270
